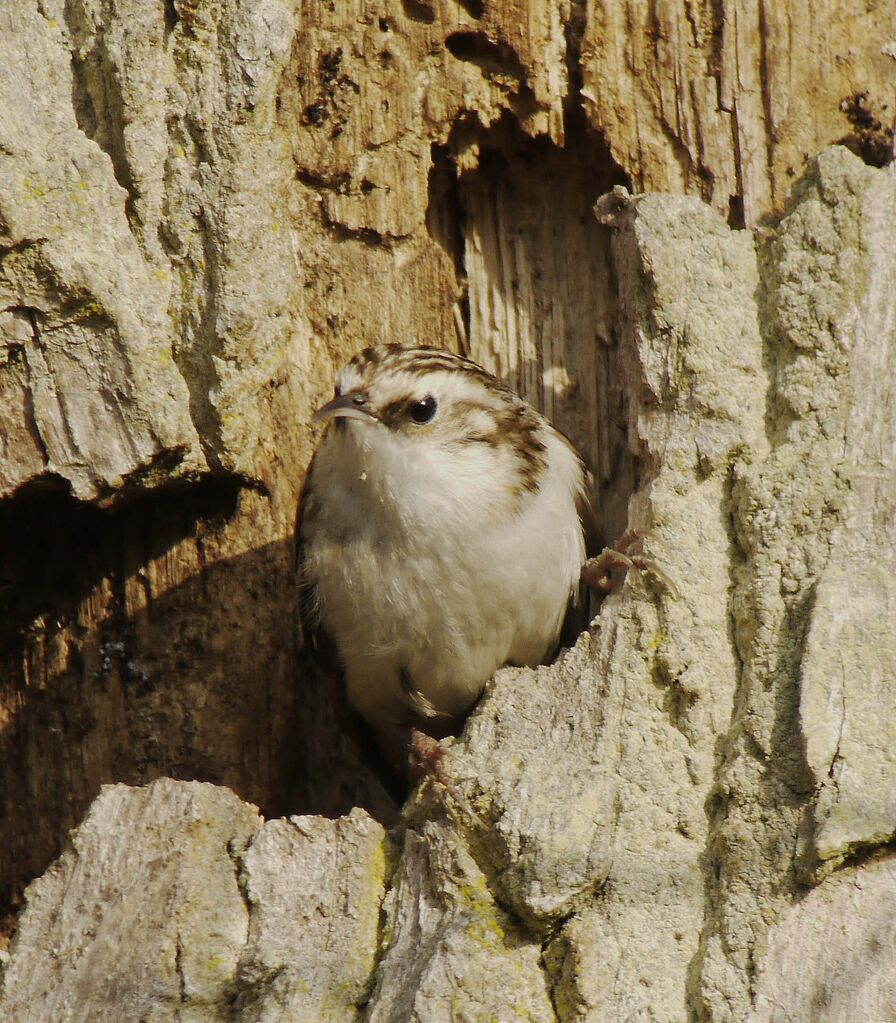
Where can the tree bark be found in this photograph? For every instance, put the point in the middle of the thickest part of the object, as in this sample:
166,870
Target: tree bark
205,208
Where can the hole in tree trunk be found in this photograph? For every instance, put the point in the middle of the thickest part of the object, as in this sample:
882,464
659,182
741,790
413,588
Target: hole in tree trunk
539,302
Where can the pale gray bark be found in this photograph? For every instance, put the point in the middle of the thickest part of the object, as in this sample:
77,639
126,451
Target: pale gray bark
177,902
691,814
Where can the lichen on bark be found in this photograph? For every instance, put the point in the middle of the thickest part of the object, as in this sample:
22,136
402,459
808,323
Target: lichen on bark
212,206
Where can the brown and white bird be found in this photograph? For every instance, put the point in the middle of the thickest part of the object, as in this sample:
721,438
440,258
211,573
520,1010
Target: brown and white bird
442,533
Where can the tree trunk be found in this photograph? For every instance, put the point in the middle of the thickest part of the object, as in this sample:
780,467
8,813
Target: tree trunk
207,207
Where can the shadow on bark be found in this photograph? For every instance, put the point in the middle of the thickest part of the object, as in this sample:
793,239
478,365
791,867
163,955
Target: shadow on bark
107,675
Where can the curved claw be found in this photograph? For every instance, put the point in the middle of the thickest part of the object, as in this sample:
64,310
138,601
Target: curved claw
425,761
596,572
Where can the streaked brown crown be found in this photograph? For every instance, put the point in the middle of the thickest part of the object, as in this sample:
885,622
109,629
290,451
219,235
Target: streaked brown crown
487,412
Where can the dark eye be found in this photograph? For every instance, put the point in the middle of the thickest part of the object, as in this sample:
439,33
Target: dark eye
422,411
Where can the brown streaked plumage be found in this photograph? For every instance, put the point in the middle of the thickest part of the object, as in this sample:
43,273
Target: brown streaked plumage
442,534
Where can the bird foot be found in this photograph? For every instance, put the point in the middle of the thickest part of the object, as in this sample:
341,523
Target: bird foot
597,573
425,755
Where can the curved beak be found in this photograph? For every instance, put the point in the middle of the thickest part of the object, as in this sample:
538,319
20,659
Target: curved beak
353,405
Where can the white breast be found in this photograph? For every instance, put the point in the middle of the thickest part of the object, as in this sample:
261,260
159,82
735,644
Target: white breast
422,571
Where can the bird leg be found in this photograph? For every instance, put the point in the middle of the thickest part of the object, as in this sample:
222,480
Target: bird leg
597,573
425,755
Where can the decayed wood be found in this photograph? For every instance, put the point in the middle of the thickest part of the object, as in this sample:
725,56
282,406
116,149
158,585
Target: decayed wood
581,875
213,206
153,357
728,100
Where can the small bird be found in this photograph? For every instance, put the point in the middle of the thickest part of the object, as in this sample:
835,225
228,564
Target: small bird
442,531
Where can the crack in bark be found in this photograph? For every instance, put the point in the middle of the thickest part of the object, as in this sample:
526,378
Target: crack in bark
31,422
836,758
179,969
550,983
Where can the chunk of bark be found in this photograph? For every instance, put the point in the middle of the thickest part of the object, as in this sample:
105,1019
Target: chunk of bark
176,902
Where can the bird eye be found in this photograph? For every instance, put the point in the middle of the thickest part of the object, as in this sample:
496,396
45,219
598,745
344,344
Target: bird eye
422,411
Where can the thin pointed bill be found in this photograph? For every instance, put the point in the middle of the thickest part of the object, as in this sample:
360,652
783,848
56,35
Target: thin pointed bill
345,406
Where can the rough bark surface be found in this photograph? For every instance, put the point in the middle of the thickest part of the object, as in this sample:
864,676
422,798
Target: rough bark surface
727,100
204,209
193,908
